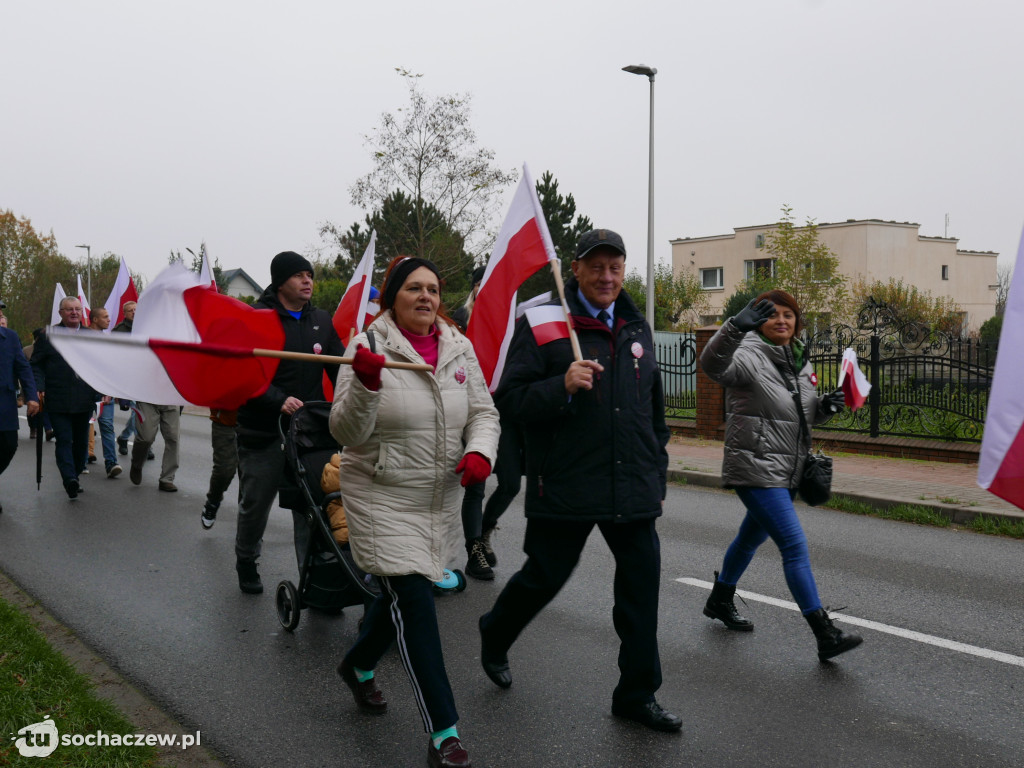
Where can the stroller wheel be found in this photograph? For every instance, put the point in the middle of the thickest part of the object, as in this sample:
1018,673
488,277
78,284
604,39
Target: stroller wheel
288,609
454,581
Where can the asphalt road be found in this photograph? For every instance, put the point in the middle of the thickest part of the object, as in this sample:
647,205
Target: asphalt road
132,573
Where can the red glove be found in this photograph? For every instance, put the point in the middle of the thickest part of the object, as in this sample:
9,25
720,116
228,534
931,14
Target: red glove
367,367
477,469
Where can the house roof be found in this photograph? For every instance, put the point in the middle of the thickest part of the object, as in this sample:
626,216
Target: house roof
231,274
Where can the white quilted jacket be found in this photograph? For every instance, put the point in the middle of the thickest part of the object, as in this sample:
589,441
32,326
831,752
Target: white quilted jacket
401,446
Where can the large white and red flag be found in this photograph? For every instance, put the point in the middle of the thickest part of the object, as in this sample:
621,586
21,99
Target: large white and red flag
189,345
1001,467
86,309
58,294
122,292
852,381
351,311
523,246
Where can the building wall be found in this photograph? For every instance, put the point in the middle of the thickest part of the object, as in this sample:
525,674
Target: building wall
874,250
239,286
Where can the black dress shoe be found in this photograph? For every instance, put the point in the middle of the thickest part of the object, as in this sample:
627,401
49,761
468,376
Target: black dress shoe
648,713
451,754
495,665
368,696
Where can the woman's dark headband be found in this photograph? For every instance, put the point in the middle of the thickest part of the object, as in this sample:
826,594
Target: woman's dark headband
399,275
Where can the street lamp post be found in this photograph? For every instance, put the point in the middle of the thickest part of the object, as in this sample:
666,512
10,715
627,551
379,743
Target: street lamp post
650,72
88,261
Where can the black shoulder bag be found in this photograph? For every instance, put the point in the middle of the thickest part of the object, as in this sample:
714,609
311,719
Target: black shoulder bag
815,485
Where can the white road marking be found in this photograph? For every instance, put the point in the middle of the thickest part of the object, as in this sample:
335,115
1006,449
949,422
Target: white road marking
953,645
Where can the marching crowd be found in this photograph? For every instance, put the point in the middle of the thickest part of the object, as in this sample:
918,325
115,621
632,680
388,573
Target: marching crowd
582,418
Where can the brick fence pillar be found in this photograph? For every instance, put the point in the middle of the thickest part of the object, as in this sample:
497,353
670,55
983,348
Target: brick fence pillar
710,396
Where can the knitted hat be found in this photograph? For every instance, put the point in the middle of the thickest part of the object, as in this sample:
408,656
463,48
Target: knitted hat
286,264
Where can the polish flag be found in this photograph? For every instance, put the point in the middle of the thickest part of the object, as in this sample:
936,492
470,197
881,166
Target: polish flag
523,246
188,346
58,294
852,381
353,305
547,323
123,291
86,309
205,273
1001,467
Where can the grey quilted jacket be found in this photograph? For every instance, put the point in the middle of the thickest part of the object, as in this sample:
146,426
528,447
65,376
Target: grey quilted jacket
764,443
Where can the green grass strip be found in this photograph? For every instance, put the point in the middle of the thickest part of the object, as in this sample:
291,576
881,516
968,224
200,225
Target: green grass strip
998,526
908,513
35,682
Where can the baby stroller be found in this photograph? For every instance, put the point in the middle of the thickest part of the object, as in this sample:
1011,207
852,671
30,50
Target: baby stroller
329,580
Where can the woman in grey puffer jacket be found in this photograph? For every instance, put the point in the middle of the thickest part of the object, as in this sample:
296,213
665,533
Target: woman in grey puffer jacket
757,356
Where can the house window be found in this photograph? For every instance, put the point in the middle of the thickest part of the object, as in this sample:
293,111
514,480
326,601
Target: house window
759,241
710,279
758,268
945,272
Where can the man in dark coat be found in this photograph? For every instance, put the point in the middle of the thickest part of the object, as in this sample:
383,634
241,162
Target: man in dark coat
595,438
14,370
67,398
262,469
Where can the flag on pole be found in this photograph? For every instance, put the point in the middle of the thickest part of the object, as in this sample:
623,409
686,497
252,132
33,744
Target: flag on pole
189,345
547,323
852,381
1001,467
523,246
58,294
205,273
122,292
352,308
86,309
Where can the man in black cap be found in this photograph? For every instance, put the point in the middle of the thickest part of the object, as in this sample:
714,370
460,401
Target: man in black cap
595,438
262,468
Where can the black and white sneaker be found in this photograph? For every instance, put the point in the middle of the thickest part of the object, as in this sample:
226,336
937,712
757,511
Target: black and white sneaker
485,542
209,515
477,566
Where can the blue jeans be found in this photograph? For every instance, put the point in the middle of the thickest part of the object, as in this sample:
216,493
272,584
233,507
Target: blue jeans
130,427
105,419
770,512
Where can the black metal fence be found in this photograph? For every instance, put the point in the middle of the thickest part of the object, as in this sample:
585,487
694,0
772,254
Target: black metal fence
923,383
677,358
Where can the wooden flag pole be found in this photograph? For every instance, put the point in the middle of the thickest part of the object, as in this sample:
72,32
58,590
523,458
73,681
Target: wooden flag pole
556,269
335,360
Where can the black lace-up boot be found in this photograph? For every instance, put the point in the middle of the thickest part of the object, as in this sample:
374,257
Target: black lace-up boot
721,606
831,640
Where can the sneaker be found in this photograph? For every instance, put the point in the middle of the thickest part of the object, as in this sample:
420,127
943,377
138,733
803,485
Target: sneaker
122,446
114,470
49,435
84,471
248,577
209,515
477,566
485,542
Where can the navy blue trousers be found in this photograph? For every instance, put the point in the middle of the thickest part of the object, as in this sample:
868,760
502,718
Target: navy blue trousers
404,614
71,433
553,549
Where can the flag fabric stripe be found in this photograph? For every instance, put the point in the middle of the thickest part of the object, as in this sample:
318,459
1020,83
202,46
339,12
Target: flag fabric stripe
353,305
523,246
547,323
58,294
1001,465
122,292
86,309
852,381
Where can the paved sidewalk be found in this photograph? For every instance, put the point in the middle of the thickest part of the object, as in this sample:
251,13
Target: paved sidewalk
949,489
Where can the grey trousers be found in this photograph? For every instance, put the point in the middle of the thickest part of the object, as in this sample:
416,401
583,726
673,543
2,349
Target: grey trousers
259,475
166,418
225,462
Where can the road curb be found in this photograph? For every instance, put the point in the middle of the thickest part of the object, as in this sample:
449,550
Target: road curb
955,513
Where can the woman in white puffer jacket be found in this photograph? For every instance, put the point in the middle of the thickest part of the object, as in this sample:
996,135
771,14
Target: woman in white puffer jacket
407,437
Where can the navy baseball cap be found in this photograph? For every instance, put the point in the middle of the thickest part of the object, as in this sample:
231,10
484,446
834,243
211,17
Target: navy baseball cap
596,238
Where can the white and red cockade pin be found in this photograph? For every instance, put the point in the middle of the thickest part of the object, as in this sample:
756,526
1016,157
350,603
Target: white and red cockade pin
814,378
317,349
637,349
460,375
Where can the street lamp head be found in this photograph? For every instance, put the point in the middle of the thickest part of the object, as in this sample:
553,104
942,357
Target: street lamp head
81,246
641,69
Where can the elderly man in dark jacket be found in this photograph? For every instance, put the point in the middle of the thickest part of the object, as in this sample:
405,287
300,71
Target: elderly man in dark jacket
262,470
595,437
67,398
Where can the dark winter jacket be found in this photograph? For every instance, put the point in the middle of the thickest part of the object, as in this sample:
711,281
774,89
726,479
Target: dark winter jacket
599,455
765,445
65,391
314,333
125,326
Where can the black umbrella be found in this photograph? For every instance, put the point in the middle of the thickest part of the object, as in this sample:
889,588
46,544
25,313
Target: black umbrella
39,445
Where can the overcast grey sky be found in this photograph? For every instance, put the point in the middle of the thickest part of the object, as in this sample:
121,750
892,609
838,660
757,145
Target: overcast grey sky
146,127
